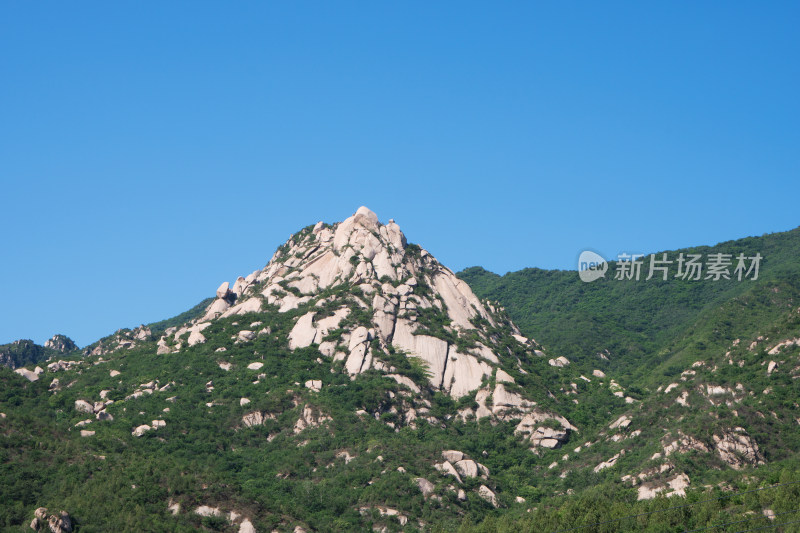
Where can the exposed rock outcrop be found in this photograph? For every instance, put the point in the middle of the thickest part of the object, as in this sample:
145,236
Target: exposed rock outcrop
27,374
61,344
56,523
425,486
672,486
309,418
737,448
123,339
406,301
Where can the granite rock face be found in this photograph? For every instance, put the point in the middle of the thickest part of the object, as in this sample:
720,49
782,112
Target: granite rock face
360,294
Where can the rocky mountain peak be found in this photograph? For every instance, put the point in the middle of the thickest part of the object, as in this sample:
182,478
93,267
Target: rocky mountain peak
61,344
362,295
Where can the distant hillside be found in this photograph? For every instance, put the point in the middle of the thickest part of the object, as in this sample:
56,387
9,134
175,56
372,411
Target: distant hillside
26,352
640,323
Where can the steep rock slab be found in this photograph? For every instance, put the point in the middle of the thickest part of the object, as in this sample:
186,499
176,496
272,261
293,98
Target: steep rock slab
430,349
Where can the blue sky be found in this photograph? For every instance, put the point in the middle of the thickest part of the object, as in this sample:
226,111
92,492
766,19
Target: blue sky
150,151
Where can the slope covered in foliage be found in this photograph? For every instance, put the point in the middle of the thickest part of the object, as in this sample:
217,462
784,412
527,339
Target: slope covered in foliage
248,412
638,322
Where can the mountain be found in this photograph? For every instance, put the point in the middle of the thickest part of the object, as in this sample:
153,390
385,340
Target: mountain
364,296
353,373
26,352
355,383
643,324
712,367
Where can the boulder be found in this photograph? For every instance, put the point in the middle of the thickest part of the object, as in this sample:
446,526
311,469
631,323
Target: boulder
357,358
251,305
256,418
548,437
216,308
173,507
447,469
607,464
205,510
366,218
246,335
467,468
453,456
621,422
559,362
27,374
314,384
224,290
487,494
140,430
60,524
195,335
303,333
425,486
82,406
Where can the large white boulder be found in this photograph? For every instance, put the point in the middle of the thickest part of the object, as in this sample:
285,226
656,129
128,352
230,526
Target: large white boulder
83,406
27,374
487,494
303,333
223,290
140,430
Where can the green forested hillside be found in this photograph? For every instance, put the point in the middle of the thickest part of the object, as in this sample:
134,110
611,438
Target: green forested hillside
640,323
670,388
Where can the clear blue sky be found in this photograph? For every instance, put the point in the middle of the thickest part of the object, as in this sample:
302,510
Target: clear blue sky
149,151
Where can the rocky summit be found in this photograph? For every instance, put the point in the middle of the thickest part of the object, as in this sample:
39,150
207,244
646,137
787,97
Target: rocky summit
366,296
